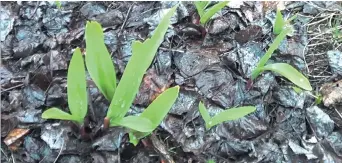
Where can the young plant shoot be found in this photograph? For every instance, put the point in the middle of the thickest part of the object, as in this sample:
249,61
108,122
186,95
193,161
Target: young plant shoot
283,69
142,56
280,24
77,93
204,13
227,115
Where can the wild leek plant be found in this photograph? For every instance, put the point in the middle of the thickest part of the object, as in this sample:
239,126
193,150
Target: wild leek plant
76,90
283,69
204,13
101,70
227,115
280,23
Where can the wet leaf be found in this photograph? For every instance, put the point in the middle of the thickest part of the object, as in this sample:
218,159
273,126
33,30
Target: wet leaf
142,56
279,23
211,11
290,73
136,123
77,93
269,52
98,60
55,113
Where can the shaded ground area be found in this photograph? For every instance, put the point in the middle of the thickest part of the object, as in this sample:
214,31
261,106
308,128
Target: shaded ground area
37,40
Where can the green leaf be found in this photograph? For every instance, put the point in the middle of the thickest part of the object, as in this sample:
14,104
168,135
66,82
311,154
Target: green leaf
136,123
211,11
58,4
269,52
210,161
200,6
291,74
141,59
230,114
279,23
55,113
98,60
133,139
76,86
159,108
204,113
297,90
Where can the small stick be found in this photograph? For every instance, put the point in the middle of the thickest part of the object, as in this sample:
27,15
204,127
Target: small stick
126,18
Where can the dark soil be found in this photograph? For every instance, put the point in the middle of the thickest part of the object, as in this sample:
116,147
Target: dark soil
212,63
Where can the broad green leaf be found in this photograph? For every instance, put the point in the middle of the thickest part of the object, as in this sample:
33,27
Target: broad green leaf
55,113
136,123
230,114
291,74
159,108
200,6
269,52
141,59
204,113
98,60
279,23
76,86
211,11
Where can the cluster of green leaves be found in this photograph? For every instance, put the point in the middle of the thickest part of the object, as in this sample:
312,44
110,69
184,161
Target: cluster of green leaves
227,115
77,93
280,23
283,69
204,13
101,70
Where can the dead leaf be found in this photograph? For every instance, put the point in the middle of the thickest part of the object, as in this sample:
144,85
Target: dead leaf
14,135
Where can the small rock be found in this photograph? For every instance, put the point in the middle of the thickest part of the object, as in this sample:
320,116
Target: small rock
218,26
335,61
320,122
90,9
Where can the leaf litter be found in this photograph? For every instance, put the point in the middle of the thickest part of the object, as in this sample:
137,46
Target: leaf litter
37,45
